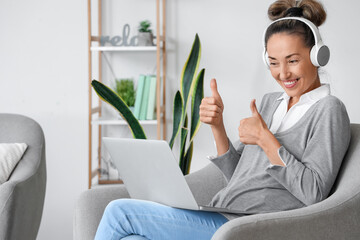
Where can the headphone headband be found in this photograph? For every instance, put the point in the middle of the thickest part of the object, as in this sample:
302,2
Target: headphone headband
320,53
312,26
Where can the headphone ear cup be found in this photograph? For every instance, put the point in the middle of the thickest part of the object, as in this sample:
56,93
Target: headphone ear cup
313,56
323,55
266,59
320,55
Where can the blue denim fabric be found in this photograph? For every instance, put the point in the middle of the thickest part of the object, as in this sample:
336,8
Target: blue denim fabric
132,219
134,237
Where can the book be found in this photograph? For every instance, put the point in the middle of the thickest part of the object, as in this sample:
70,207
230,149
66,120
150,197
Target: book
139,95
145,98
152,99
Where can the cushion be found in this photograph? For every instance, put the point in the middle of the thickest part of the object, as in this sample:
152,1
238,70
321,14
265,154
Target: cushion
10,154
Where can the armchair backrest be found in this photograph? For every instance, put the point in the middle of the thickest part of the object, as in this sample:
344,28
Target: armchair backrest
347,183
22,196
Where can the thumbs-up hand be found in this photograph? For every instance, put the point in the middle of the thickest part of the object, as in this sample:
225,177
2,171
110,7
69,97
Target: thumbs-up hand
214,90
211,108
253,109
252,128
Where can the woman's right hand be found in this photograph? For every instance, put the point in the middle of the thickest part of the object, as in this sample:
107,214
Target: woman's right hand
211,112
211,108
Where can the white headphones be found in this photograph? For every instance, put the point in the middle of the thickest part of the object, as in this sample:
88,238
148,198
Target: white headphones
319,53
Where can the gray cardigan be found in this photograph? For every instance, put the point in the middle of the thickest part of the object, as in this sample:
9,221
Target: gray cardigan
312,149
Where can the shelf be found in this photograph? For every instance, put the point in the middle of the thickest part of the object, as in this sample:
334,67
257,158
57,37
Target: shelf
110,182
113,121
98,123
124,49
101,183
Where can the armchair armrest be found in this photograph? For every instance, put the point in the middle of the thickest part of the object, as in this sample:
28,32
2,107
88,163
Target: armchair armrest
324,220
90,207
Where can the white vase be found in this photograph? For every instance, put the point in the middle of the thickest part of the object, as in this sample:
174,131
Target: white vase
113,172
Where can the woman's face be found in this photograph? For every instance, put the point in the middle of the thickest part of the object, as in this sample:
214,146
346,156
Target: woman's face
291,66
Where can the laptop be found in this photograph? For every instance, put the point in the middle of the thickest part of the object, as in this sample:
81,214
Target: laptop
150,172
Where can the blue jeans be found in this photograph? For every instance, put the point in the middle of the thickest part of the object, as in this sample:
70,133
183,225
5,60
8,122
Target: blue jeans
132,219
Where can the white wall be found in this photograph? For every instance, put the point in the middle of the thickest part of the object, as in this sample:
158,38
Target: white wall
43,74
231,37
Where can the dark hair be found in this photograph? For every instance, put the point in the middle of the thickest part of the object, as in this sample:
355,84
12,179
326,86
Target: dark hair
309,9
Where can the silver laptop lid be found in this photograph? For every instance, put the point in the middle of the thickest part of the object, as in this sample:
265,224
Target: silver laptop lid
150,171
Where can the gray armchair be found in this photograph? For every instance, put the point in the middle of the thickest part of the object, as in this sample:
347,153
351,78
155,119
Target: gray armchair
337,217
22,196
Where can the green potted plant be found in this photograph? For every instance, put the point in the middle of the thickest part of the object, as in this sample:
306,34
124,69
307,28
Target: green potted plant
145,35
192,90
125,89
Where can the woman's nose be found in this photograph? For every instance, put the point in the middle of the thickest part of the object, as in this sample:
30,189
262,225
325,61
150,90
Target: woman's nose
284,72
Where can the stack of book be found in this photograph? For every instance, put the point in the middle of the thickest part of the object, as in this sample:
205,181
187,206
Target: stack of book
145,100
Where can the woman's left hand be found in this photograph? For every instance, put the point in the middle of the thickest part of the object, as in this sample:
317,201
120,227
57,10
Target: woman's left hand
251,129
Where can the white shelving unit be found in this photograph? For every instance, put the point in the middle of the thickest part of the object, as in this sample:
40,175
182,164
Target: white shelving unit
124,49
95,113
112,121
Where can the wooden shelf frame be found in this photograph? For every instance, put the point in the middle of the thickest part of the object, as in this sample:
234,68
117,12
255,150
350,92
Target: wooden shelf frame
99,122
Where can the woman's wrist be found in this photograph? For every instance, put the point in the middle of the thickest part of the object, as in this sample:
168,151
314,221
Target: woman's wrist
221,139
218,127
270,145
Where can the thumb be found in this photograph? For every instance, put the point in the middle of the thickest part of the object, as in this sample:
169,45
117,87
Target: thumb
253,108
214,91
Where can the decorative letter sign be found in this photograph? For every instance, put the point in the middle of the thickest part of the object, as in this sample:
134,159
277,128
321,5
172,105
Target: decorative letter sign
120,40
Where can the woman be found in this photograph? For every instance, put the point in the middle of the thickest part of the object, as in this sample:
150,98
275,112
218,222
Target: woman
288,153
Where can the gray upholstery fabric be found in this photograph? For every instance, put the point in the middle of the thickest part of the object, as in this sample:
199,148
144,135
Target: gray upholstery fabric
90,207
337,217
22,196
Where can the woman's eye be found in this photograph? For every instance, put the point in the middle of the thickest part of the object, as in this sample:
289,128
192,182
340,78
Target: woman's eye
293,61
273,63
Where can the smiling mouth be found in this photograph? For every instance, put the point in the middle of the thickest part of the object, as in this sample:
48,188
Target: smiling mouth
290,83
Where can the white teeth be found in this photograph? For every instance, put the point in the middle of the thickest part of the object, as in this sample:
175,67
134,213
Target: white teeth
290,82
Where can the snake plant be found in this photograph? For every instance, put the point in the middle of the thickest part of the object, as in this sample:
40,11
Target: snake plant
192,85
108,95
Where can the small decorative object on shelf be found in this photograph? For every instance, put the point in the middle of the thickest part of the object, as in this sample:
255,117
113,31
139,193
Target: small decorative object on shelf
123,40
125,89
113,173
139,95
145,98
150,110
110,171
145,35
192,85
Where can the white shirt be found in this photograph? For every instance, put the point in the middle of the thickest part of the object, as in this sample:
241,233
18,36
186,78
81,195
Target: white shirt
284,119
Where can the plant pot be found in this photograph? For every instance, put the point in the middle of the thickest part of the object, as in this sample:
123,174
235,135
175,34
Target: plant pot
145,39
